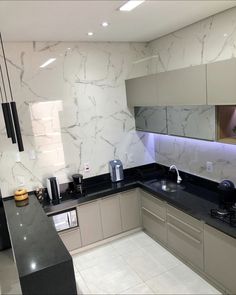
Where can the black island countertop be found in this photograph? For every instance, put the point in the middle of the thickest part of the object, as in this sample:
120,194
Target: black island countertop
197,198
39,252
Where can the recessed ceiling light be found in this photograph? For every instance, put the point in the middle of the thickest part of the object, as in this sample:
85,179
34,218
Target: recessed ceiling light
49,61
225,35
90,33
130,5
105,24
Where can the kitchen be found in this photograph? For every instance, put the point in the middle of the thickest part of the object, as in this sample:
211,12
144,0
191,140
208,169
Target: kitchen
93,83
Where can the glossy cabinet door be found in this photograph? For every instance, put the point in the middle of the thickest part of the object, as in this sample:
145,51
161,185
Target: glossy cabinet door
185,236
185,86
71,239
111,216
90,223
221,85
154,216
142,91
220,258
151,119
130,210
192,121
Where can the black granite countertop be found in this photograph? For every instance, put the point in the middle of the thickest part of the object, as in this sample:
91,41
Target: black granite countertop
34,240
197,198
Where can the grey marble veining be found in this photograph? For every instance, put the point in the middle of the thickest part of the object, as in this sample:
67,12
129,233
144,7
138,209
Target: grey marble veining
71,112
192,121
152,119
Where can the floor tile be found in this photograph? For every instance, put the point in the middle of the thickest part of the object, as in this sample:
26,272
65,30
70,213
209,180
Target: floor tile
82,288
145,266
180,280
93,257
139,289
142,239
111,277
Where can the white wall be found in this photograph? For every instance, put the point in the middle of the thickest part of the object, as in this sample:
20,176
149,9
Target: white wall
207,41
72,112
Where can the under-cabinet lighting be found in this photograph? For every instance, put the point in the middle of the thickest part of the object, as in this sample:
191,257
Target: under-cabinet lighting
48,62
130,5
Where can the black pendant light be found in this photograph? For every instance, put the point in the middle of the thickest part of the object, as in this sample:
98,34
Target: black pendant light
10,111
7,112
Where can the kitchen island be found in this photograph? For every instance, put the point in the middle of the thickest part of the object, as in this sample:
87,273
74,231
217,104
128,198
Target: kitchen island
44,265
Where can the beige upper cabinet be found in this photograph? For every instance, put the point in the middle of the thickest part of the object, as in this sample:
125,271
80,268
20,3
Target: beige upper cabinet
142,91
185,86
178,87
221,82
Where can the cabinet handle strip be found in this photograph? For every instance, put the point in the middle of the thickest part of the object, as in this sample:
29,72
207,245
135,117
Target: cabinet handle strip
184,233
156,216
188,225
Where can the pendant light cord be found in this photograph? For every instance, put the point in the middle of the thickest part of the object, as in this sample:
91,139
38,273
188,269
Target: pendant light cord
5,61
3,84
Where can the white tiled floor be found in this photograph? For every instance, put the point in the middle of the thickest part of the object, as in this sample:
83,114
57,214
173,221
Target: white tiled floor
135,264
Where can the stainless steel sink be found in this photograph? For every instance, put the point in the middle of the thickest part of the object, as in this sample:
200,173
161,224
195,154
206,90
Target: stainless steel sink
166,185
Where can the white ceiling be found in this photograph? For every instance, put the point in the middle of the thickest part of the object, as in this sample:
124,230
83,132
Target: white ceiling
71,20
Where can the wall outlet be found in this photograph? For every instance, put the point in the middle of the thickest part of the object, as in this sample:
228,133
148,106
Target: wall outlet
209,167
86,167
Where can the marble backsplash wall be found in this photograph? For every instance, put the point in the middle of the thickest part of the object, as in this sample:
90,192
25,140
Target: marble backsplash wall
72,112
207,41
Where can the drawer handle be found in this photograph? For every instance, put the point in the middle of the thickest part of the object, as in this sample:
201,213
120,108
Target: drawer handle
156,216
188,225
184,233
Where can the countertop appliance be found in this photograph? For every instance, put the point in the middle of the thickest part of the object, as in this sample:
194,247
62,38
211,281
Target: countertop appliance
65,220
227,203
116,170
4,234
53,190
78,183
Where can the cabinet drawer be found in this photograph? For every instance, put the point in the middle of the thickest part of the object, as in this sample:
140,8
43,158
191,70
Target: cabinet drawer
153,205
185,236
184,222
154,224
71,239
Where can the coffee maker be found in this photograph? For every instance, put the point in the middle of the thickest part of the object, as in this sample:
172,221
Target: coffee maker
78,183
227,195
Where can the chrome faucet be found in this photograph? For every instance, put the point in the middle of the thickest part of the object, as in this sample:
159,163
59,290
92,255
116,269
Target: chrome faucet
173,167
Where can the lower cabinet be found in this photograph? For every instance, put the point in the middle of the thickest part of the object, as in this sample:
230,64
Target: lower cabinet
130,210
71,239
220,258
185,236
111,216
90,222
154,216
